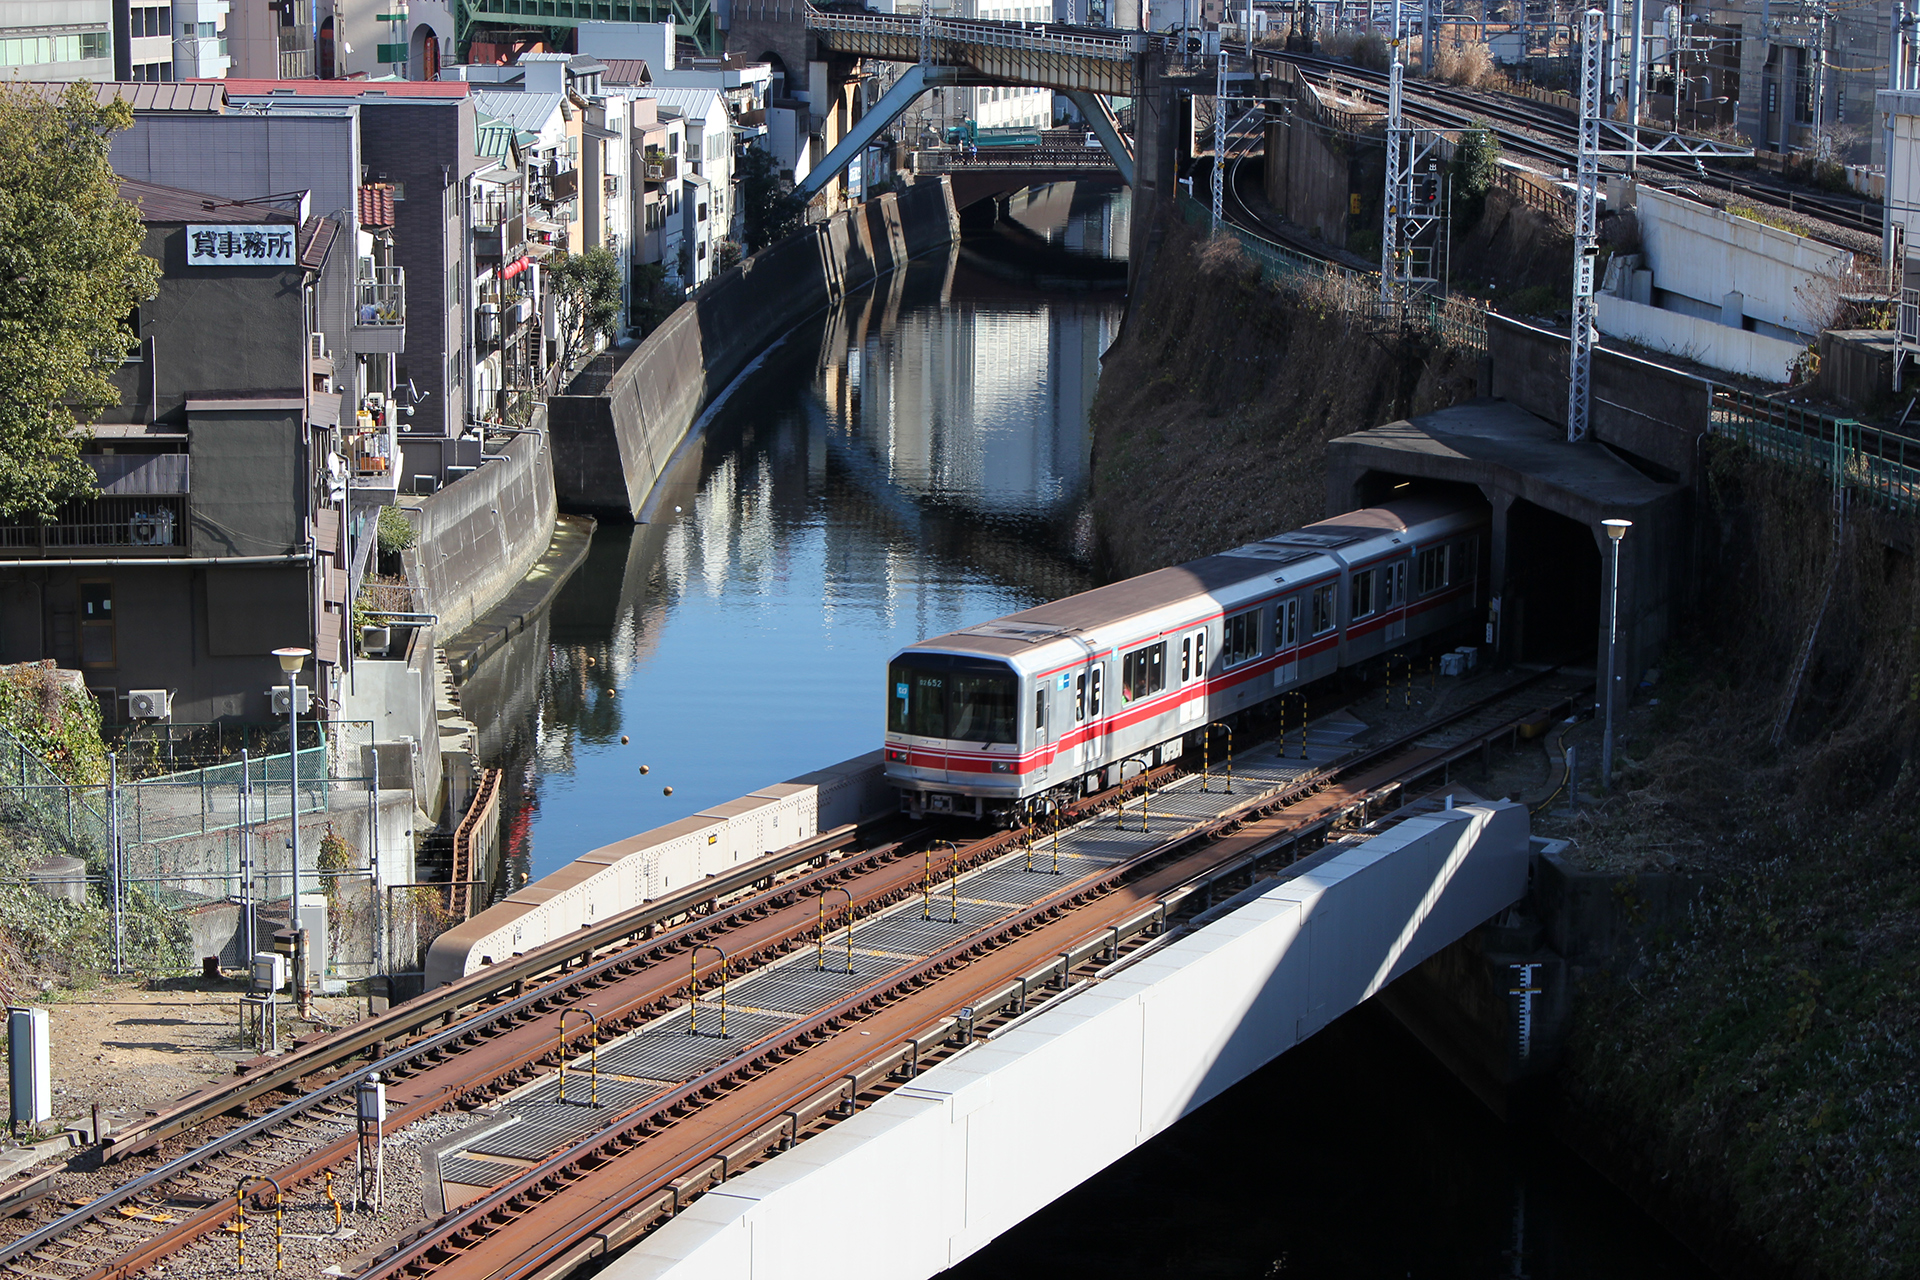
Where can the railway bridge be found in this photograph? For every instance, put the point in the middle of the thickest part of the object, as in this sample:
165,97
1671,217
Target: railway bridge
1088,66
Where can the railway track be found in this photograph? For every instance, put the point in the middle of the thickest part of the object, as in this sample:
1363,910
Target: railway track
1546,134
493,1039
1011,934
181,1196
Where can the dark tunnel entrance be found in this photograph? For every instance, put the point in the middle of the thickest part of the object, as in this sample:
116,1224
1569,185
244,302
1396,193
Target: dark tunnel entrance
1551,605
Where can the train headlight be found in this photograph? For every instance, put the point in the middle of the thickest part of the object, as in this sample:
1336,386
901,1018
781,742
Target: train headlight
1002,766
896,755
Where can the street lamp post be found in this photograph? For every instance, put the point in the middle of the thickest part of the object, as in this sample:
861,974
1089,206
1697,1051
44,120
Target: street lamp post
1616,530
291,660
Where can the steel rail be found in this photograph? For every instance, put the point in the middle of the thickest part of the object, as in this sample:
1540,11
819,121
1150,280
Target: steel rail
589,976
1456,108
491,1211
478,987
347,1046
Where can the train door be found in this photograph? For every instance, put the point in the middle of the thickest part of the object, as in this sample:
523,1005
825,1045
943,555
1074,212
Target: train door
1042,728
1096,713
1193,676
1393,598
1286,642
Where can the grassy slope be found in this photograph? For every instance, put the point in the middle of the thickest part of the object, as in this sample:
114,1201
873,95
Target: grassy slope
1757,1073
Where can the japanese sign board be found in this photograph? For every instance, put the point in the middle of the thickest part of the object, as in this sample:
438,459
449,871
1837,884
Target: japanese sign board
229,245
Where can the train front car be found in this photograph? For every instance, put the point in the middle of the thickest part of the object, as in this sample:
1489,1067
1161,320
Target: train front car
955,742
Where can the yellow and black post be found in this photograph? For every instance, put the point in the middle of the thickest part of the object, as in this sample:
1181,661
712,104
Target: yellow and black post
693,989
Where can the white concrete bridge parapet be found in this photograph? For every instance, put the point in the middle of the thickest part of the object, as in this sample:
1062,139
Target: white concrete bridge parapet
935,1170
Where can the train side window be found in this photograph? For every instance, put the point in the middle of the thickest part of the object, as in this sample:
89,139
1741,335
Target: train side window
1040,713
1093,699
1240,637
1286,624
1393,589
1430,570
1361,601
1186,659
1200,654
1079,698
1323,619
1143,672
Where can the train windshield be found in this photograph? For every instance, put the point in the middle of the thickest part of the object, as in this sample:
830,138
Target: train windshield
942,696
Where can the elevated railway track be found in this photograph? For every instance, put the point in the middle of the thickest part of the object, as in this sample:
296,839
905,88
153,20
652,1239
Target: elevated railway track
1549,135
927,928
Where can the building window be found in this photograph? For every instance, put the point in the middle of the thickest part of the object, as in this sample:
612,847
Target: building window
96,623
26,51
150,20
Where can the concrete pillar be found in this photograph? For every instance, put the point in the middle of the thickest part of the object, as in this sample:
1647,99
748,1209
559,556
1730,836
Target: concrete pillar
1498,589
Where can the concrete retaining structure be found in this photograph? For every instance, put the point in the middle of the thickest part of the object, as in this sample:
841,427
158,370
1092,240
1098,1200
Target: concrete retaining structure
621,876
480,534
1706,342
997,1132
610,447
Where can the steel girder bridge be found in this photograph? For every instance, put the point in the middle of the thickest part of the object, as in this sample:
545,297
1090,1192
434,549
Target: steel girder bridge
1089,67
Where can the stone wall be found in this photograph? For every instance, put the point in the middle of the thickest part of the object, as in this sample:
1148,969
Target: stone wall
609,448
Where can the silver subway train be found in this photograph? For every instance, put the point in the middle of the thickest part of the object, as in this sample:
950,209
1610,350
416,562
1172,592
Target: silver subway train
990,720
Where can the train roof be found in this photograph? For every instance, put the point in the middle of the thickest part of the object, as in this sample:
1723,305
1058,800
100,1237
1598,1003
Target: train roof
1308,550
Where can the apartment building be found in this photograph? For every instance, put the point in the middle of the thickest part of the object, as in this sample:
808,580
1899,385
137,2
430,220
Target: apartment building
221,529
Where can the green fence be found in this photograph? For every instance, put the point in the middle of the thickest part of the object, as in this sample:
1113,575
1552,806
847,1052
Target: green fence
1882,468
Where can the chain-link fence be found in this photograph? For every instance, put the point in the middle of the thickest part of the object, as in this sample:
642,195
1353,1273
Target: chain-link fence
162,870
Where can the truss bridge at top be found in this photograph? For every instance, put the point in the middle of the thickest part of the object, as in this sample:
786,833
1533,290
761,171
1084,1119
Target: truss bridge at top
1049,56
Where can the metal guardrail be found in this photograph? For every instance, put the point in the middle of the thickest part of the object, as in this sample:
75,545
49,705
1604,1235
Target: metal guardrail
1882,467
1114,48
1357,293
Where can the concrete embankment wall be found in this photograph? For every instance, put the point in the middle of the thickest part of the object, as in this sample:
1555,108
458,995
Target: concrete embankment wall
605,882
480,534
609,448
1005,1128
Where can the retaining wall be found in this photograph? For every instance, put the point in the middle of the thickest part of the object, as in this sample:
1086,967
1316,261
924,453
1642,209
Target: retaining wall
1005,1128
481,534
607,881
609,448
1707,342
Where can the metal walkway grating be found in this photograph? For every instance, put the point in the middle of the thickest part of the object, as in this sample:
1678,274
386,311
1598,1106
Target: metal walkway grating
797,986
476,1173
543,1128
612,1093
667,1051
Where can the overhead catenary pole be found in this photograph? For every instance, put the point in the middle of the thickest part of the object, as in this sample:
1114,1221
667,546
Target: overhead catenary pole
1636,62
1586,244
1219,139
1392,290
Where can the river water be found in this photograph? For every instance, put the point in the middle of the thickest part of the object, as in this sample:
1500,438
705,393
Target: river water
912,462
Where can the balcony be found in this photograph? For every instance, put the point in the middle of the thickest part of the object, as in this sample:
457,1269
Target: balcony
499,227
660,167
126,525
380,309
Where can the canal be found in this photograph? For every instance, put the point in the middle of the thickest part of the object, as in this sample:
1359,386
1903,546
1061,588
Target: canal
914,461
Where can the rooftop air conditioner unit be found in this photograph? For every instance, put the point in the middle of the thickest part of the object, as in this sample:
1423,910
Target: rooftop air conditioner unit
279,696
150,704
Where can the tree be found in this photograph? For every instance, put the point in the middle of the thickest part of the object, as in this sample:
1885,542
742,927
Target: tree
1475,162
768,206
653,298
70,254
588,285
